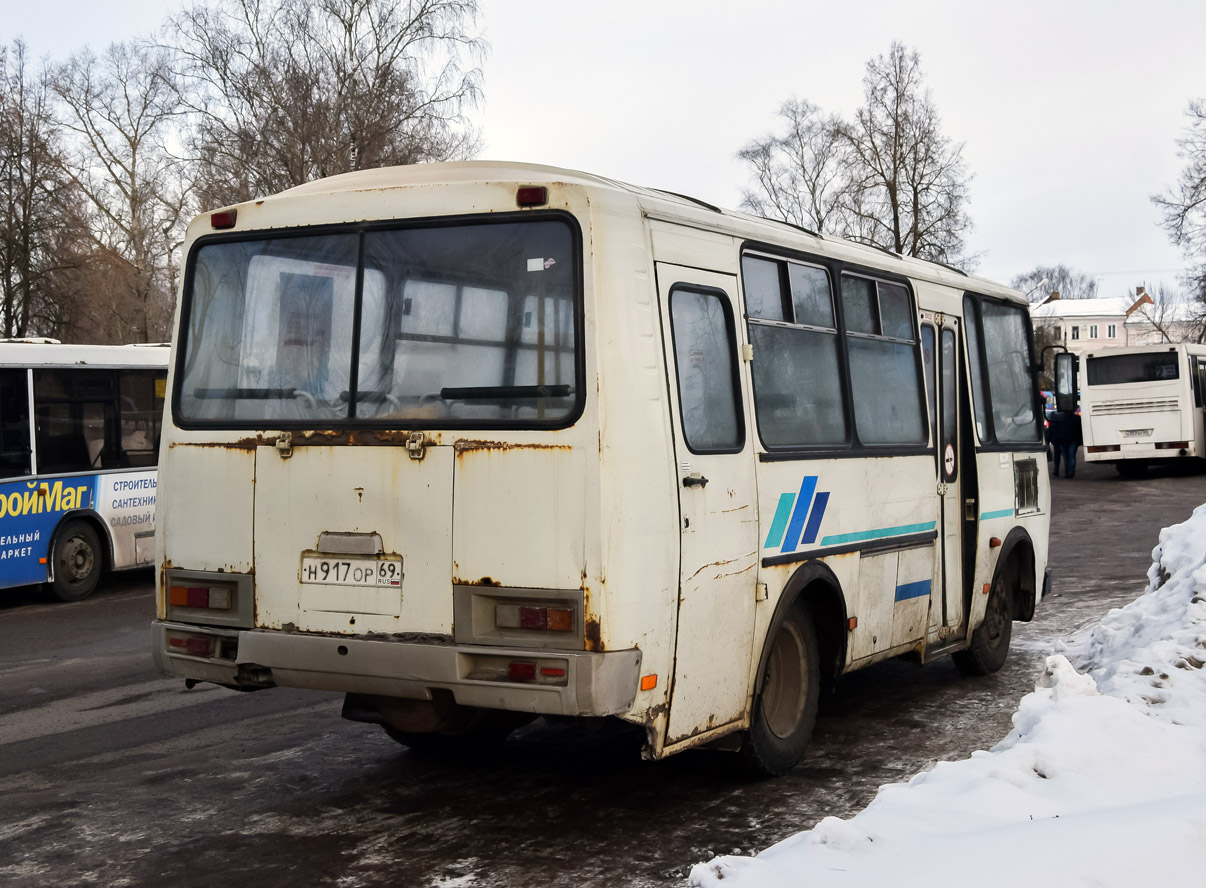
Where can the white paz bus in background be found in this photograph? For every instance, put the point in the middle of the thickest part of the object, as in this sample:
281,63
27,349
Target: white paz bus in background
79,438
474,442
1143,403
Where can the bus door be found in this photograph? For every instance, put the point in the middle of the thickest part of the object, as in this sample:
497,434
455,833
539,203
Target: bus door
714,463
940,339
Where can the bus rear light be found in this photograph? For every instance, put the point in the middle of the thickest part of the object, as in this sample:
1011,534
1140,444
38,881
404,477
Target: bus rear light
552,672
532,196
208,597
223,219
197,647
1173,445
1104,448
542,619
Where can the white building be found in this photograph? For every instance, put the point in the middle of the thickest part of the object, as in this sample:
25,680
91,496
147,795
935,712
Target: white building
1084,325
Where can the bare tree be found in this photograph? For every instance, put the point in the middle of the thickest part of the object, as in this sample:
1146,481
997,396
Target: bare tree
888,177
1184,206
1043,280
122,108
42,226
909,186
801,173
1169,318
286,91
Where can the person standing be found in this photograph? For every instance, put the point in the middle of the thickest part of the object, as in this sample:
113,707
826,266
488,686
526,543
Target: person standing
1064,433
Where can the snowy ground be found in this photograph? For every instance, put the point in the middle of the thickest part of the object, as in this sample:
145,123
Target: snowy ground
1101,782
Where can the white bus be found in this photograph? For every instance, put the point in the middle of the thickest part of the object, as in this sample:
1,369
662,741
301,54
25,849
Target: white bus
472,442
1143,403
79,437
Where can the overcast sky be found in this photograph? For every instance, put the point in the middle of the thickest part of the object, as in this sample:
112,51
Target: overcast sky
1068,111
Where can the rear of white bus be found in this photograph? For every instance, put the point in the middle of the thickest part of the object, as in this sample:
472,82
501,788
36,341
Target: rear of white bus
378,454
1142,404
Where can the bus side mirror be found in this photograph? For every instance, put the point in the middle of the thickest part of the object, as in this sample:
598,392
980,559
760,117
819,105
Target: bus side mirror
1065,382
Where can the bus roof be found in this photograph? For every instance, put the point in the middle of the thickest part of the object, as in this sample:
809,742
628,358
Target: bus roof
1192,348
33,353
661,204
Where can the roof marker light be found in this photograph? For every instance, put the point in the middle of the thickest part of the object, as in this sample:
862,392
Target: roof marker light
223,219
532,196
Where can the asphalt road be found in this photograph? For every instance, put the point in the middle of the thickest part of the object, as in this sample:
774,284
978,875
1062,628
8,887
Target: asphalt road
110,775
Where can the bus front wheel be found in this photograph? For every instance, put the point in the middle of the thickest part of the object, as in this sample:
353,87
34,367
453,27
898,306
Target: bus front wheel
785,709
77,561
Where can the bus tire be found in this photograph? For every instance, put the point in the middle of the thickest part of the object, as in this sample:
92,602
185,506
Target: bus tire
78,561
468,731
785,709
990,641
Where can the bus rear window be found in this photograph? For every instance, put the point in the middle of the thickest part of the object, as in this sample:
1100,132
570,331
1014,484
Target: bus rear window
453,325
1123,369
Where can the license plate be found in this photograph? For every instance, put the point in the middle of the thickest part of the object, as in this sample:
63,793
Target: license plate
1137,433
352,570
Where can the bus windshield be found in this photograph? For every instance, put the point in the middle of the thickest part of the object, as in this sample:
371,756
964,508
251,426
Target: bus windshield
1123,369
448,325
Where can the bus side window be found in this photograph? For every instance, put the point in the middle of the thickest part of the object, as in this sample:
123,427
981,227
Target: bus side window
14,424
931,385
884,375
797,381
705,363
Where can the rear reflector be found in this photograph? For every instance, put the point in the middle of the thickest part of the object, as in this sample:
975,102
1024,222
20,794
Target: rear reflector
648,682
1173,445
1103,448
522,671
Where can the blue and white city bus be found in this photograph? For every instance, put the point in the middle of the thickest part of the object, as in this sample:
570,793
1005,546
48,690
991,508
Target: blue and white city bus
79,445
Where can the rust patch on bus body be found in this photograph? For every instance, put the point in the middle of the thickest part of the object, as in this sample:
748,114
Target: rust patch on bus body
593,633
484,581
322,438
464,445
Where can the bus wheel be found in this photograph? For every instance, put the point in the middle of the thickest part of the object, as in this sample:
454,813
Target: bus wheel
785,709
466,730
990,642
78,562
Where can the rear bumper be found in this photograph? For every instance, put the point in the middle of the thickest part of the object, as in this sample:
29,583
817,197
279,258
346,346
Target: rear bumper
567,683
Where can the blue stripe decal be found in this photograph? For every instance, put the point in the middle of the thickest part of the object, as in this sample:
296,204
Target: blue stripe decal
912,590
862,535
782,512
814,520
999,513
803,501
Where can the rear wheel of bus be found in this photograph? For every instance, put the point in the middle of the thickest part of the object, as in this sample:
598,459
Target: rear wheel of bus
1131,468
78,561
440,726
990,641
785,709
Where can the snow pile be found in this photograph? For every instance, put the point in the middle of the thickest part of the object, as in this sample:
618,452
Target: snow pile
1101,782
